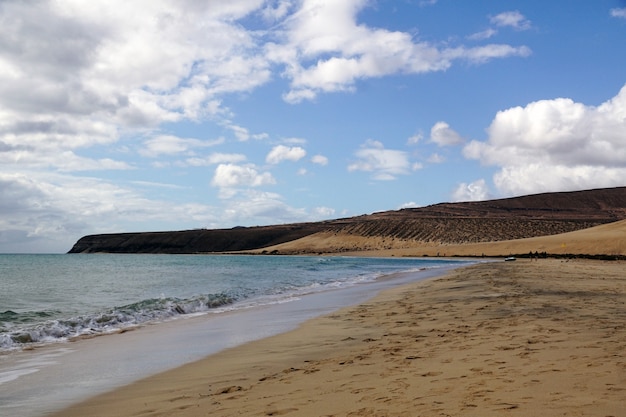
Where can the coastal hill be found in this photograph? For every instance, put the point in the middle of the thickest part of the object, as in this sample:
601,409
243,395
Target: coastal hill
467,228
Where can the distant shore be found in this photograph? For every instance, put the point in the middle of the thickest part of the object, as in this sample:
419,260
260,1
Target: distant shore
543,337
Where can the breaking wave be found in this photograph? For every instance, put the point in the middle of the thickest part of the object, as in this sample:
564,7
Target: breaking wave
18,329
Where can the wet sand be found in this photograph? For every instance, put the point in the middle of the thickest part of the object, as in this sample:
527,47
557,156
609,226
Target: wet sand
517,338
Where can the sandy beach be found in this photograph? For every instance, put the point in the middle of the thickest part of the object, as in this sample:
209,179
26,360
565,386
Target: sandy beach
517,338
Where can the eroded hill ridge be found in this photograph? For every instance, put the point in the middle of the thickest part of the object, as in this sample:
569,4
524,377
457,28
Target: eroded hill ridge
445,223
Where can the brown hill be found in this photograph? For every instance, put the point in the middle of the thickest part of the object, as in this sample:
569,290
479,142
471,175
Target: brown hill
607,239
437,226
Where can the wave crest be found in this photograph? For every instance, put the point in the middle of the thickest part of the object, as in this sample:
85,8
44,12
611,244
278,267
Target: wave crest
16,332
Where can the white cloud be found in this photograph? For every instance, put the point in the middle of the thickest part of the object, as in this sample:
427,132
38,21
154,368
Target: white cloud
171,145
556,145
415,139
92,79
485,34
443,135
243,134
48,212
474,191
295,141
153,184
319,160
384,164
259,207
323,212
482,54
278,11
19,158
230,177
620,13
512,19
216,158
326,50
436,158
282,153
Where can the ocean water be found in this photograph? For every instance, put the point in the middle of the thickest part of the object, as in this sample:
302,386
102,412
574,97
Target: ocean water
52,298
180,308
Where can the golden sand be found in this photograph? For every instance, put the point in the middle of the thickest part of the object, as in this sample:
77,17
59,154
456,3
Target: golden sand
524,338
607,239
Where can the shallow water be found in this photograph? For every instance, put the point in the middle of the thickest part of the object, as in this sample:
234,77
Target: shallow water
50,298
54,375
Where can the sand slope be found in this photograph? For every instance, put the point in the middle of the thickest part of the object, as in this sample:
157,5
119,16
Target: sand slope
607,239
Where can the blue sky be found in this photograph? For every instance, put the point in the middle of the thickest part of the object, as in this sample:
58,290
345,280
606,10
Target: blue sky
120,116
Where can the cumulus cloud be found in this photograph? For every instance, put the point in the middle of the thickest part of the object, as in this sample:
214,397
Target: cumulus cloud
512,19
92,81
327,50
79,60
556,145
230,177
443,135
88,63
384,164
282,153
474,191
319,160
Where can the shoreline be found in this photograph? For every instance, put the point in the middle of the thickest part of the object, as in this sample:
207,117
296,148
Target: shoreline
521,338
53,377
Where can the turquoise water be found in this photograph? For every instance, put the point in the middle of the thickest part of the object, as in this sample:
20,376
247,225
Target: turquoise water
47,299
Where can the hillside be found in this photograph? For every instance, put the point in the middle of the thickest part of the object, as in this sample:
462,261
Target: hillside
436,225
607,239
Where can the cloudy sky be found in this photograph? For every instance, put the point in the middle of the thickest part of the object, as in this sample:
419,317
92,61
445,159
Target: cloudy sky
120,116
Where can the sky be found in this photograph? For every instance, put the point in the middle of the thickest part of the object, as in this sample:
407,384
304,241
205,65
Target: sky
146,115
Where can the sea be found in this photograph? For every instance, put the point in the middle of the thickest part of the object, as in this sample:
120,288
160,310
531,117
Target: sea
72,326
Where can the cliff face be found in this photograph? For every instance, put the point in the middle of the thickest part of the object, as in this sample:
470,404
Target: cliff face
194,241
494,220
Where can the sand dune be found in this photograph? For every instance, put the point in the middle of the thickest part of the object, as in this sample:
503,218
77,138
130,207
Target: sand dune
607,239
